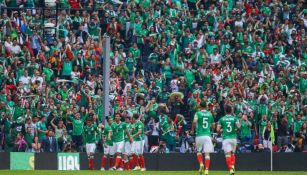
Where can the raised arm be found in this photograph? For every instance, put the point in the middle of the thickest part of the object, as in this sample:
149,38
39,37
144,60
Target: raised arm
52,123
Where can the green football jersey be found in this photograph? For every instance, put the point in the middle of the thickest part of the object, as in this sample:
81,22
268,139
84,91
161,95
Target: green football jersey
41,126
204,121
298,125
118,130
261,125
137,127
129,128
245,129
106,132
91,134
163,119
77,125
229,126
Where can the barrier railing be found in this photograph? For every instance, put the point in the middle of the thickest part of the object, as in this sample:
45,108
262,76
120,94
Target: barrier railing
158,162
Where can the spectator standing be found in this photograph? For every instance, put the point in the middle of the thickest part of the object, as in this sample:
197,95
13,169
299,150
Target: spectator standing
267,136
50,143
36,145
59,132
20,145
78,124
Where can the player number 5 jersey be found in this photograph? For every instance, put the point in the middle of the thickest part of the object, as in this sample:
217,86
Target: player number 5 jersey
204,121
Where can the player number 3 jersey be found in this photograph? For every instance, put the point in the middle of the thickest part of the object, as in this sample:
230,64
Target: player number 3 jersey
229,125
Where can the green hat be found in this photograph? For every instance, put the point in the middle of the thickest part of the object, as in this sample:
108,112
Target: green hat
20,120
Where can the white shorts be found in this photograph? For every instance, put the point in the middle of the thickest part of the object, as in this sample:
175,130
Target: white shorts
138,147
109,150
229,145
204,144
90,148
119,146
127,148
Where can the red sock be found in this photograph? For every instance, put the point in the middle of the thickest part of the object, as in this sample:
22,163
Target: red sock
142,161
229,162
131,162
103,161
92,163
111,161
200,158
122,164
135,160
207,163
118,161
233,159
89,163
127,167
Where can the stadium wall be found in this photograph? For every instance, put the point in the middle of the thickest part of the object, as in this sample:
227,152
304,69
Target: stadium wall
164,162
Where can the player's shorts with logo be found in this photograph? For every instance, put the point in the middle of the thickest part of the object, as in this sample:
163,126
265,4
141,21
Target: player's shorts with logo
109,150
127,148
90,148
119,146
229,145
138,147
204,144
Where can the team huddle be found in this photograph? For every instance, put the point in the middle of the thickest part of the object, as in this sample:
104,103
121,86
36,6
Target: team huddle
204,124
123,143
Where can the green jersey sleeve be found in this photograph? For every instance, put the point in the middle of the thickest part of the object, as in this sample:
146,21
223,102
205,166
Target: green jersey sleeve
106,132
139,126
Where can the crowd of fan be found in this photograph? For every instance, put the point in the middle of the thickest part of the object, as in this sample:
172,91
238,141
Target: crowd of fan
166,58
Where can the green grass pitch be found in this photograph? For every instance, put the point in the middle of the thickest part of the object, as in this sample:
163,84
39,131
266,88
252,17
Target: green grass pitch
8,172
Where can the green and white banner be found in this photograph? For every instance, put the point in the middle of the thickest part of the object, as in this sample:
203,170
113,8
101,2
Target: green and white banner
68,161
22,161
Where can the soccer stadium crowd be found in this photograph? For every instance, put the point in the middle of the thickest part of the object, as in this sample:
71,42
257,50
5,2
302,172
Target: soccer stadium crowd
167,57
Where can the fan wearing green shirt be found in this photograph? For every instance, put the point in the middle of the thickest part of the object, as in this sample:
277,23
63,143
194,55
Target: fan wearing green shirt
298,123
91,138
77,123
6,124
122,70
42,129
118,130
108,145
228,126
138,136
203,123
245,133
262,123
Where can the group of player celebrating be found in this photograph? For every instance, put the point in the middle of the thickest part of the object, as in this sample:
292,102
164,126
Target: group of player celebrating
123,143
204,124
